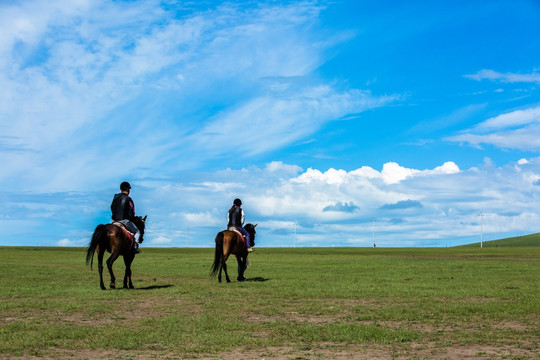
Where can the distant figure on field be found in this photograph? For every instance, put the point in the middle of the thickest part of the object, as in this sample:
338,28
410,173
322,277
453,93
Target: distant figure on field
236,222
123,211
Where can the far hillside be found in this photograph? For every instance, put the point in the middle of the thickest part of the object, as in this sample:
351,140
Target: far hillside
519,241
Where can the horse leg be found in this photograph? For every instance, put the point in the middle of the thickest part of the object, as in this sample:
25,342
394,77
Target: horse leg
128,259
241,267
110,261
226,253
219,274
224,267
100,268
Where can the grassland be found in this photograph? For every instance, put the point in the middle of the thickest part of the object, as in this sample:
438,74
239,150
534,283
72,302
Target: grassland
529,240
308,303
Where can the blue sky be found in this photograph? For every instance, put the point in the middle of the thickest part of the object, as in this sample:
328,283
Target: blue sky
335,122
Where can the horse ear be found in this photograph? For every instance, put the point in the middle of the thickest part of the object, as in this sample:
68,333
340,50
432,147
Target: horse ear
144,219
254,226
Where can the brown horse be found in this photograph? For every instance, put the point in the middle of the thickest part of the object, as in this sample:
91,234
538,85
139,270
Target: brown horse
113,239
230,242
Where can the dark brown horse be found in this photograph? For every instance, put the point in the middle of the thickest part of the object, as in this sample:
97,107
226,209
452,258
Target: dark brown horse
113,239
230,242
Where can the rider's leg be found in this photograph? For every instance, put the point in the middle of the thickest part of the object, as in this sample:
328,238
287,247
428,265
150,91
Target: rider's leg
131,227
246,234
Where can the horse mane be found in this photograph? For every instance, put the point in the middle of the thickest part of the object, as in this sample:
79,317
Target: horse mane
251,226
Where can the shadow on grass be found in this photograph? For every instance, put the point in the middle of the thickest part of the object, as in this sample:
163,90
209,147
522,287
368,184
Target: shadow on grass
154,287
260,279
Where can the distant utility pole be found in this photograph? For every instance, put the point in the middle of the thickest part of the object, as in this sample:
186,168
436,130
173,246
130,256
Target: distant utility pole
481,229
295,234
373,219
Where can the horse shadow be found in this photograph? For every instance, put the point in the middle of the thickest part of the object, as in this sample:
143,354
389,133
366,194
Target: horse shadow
257,279
154,287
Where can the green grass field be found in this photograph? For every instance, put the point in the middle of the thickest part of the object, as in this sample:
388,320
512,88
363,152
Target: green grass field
530,240
304,303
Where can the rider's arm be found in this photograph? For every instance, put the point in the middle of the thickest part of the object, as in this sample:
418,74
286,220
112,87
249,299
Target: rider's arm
130,209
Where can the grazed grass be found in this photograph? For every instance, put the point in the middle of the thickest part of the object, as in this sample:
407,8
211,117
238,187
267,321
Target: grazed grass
299,303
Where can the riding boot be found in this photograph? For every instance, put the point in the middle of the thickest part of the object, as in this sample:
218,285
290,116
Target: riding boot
135,249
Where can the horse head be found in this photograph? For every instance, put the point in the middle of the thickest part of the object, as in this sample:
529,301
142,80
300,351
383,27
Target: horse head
250,228
140,223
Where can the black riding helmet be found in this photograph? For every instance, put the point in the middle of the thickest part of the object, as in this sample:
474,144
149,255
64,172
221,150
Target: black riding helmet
237,202
125,186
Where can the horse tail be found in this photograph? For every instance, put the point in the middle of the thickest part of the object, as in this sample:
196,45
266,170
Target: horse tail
218,255
94,242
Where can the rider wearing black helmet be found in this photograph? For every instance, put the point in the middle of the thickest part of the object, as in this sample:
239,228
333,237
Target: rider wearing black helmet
236,221
123,211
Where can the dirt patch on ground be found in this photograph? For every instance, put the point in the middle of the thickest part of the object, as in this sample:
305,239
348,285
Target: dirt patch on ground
314,352
131,310
335,310
378,352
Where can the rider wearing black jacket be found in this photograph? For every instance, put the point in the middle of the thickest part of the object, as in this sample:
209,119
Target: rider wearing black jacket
235,219
123,210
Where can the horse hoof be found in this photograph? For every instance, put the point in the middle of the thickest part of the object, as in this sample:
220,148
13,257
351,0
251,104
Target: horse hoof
113,286
241,278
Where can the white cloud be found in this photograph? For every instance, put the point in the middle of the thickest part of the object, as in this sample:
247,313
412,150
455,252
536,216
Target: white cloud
161,240
526,139
58,82
519,129
64,242
361,192
280,167
367,172
393,173
487,74
205,219
276,120
448,167
511,119
68,242
277,224
331,176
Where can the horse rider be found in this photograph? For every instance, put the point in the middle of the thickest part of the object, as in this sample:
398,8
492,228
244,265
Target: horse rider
236,221
123,211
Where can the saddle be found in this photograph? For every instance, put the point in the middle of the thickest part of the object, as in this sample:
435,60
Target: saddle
239,233
131,236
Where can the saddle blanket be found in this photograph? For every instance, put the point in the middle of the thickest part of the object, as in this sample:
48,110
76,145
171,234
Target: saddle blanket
239,233
130,235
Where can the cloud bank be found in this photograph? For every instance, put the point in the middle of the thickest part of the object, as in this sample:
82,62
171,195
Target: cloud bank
337,207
